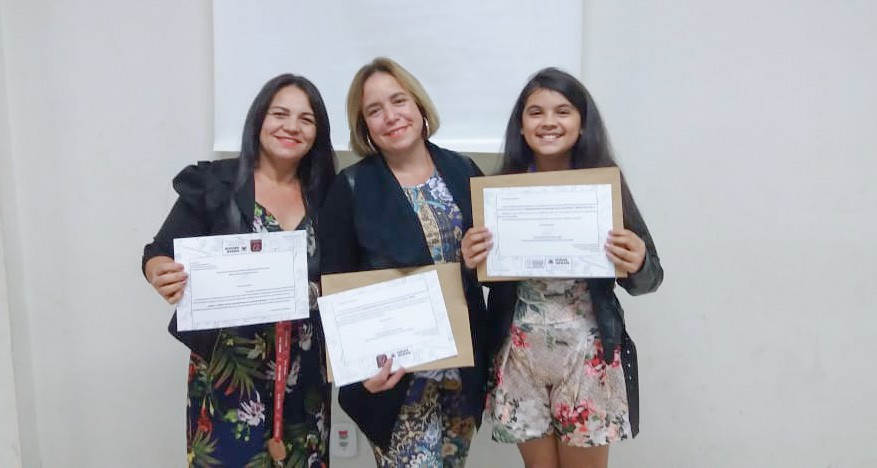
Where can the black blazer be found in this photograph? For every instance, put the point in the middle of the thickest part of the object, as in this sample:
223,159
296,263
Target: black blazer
208,204
203,208
367,223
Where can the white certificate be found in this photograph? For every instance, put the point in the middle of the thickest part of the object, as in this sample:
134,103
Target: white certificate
242,279
404,318
556,231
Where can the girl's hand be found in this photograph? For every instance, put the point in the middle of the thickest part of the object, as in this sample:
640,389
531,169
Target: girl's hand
626,250
384,380
475,245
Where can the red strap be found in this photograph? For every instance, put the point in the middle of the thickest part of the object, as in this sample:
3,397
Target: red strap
282,337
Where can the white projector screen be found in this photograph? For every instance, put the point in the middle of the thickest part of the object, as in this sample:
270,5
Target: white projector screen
473,58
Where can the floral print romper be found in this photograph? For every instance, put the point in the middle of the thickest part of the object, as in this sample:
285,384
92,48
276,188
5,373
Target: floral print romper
435,424
550,375
231,394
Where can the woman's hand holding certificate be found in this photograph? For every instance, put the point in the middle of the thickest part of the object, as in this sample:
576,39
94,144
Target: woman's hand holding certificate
242,279
402,321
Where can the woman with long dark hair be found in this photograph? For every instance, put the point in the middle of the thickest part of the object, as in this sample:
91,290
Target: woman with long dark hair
284,170
565,384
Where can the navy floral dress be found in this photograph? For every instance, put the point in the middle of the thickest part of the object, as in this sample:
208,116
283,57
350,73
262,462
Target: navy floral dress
230,396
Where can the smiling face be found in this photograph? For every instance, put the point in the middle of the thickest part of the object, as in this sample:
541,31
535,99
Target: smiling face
289,129
391,115
550,124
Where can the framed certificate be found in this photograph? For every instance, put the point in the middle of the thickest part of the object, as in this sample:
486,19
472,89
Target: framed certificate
548,224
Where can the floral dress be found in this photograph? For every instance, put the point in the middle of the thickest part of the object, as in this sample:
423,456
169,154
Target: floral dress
231,393
435,424
551,377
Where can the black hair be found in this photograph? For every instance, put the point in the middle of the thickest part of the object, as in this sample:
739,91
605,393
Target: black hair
316,171
592,149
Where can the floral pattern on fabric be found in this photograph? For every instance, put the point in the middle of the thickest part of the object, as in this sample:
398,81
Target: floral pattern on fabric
231,395
439,216
432,430
435,425
550,377
442,224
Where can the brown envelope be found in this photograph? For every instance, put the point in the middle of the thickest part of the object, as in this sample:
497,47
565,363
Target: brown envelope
452,292
603,175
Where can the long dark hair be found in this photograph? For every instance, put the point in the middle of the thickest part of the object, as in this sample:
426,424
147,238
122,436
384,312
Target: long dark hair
592,149
317,169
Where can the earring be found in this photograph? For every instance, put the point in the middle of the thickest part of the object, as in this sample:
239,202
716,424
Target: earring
425,129
371,144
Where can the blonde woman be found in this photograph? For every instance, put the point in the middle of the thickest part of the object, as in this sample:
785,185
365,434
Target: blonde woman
406,203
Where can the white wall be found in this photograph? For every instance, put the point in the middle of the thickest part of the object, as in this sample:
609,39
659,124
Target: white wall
744,129
10,445
107,100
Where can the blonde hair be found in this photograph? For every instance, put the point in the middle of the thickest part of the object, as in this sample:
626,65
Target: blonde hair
359,137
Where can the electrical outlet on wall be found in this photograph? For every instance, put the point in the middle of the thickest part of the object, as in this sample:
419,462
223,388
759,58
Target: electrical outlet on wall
342,440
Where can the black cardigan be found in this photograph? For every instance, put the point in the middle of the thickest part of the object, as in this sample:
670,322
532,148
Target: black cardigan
367,224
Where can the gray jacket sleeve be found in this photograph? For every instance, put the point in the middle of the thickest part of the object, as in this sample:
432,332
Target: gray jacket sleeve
651,274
